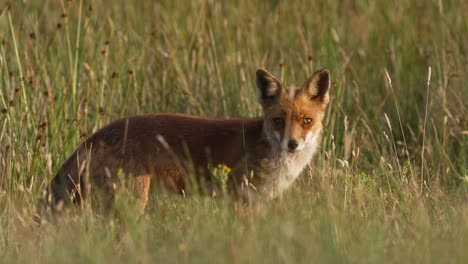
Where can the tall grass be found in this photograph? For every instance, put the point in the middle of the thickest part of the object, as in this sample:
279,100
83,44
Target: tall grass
390,183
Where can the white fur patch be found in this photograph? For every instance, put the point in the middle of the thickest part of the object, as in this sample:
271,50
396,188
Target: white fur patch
286,166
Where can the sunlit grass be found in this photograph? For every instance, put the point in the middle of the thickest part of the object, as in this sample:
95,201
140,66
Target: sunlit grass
390,183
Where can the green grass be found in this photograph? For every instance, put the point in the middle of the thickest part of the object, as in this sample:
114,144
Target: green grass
389,185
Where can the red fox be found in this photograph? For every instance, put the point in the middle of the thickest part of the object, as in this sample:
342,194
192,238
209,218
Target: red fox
264,155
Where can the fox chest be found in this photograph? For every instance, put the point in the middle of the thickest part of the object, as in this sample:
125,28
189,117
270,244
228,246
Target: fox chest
280,172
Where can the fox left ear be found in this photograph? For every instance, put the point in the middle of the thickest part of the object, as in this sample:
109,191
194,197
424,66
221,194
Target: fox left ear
270,88
317,86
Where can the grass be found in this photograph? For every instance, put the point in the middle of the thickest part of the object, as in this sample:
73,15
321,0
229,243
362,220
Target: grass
390,183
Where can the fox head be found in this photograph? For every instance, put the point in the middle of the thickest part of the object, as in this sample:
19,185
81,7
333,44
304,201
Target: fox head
293,115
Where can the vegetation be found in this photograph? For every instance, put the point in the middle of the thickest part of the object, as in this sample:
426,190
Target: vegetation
390,183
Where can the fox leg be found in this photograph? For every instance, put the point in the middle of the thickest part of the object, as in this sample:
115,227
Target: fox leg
140,188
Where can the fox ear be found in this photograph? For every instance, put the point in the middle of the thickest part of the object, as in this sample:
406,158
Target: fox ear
317,86
269,87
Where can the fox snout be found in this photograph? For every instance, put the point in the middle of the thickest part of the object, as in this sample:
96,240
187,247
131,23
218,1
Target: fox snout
295,134
291,137
292,144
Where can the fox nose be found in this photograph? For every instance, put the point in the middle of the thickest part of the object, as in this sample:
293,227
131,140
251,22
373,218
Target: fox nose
292,144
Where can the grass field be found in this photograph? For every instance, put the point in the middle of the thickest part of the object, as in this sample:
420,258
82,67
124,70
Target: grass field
390,184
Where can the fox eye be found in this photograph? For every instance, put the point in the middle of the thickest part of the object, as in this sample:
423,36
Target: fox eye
307,120
278,120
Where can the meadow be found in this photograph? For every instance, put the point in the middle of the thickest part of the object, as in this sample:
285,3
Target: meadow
390,184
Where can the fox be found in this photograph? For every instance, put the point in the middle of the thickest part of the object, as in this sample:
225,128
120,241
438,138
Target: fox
263,155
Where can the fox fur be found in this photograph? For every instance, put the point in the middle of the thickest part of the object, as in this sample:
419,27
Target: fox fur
174,151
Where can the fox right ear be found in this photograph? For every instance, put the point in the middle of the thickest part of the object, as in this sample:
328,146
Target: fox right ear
317,86
269,87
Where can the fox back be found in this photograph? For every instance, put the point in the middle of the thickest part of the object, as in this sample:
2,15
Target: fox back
262,156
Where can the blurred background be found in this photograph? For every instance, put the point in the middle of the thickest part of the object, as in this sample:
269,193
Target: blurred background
389,184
